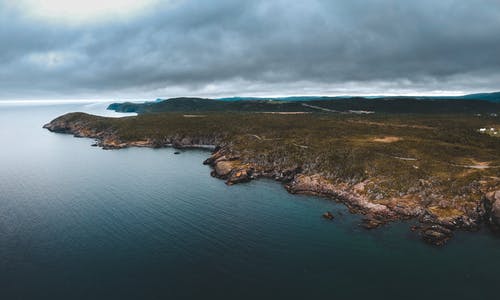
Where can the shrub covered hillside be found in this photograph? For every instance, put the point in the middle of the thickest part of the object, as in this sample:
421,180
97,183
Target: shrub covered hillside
401,151
439,168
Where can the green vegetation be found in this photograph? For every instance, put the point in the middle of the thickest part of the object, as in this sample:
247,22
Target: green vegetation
400,153
440,164
381,105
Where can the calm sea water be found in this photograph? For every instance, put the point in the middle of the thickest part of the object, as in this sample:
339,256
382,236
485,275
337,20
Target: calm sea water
78,222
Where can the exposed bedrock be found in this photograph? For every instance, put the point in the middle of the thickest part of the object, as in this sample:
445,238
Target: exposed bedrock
438,223
492,206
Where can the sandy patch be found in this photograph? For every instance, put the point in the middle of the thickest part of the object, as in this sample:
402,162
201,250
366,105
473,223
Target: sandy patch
194,116
286,112
479,165
387,139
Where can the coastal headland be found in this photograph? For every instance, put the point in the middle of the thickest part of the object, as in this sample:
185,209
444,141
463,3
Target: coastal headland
434,166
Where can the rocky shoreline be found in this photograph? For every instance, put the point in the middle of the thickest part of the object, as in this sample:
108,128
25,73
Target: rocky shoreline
435,229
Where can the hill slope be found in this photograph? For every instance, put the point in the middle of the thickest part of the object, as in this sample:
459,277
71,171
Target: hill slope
403,105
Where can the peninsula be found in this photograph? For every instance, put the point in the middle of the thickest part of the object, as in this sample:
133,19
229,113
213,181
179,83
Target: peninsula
388,159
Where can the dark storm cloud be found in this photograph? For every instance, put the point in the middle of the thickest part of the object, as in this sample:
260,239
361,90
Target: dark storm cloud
256,47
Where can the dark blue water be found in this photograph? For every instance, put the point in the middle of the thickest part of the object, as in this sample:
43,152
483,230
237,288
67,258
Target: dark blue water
78,222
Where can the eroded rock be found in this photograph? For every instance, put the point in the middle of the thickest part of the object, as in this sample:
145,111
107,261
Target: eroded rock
239,176
373,221
436,234
316,185
223,168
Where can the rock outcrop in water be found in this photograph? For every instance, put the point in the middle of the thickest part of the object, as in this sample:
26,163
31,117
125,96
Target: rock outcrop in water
328,215
436,234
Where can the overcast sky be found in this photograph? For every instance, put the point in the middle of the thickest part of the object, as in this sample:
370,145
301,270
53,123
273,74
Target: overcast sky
146,49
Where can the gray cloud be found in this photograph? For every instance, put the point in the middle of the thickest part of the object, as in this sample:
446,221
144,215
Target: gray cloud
223,47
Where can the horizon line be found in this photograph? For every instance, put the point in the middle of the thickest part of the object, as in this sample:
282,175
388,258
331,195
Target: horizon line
143,99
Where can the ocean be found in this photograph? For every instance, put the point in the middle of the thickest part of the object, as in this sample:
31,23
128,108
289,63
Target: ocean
79,222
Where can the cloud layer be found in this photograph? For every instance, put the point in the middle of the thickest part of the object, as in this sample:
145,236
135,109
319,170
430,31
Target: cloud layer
224,47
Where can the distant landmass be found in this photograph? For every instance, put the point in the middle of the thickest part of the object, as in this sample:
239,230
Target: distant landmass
476,104
494,97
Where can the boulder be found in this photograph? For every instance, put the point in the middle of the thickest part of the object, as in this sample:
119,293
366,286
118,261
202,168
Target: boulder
372,222
239,176
328,215
223,168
